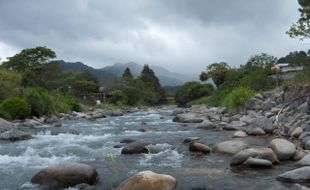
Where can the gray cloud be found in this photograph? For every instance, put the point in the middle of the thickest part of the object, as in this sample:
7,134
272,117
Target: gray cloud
181,35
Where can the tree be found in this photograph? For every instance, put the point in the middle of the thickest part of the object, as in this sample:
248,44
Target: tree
153,92
295,58
127,76
301,29
216,71
31,58
262,60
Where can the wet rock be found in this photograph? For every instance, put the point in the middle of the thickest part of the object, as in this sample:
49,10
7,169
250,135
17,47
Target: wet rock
14,135
117,113
229,147
65,175
256,131
136,148
191,139
31,123
198,147
5,125
257,163
126,141
299,154
239,134
146,129
297,132
300,175
284,149
58,124
187,118
97,114
52,119
206,125
263,153
77,115
148,180
305,161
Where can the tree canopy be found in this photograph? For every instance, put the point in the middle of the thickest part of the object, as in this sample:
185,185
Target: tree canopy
216,71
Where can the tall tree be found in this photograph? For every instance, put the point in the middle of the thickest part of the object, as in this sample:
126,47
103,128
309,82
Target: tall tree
127,76
259,61
216,71
301,29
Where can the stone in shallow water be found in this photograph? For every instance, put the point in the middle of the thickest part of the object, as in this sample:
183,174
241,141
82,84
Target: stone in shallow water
229,147
239,134
15,135
263,153
257,163
148,180
256,131
187,118
190,139
198,147
283,148
65,175
136,148
300,175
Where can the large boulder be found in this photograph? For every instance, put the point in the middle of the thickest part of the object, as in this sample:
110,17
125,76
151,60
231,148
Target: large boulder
296,132
206,125
148,180
263,153
14,135
187,118
284,149
229,147
198,147
265,123
300,175
239,134
256,131
305,161
5,125
31,123
257,163
136,148
65,175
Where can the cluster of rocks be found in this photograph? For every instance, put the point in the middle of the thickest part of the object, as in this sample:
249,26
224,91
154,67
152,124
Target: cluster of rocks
76,174
8,131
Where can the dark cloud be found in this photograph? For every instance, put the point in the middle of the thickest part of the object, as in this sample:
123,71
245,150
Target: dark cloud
182,35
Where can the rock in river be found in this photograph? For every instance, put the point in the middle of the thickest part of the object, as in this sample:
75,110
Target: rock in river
229,147
257,163
135,148
263,153
5,125
239,134
148,180
187,118
14,135
300,175
305,161
65,175
284,149
198,147
191,139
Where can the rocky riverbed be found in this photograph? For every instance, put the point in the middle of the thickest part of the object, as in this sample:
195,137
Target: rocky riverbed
167,148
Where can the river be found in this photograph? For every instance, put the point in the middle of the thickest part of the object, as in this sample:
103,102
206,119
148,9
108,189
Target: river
93,142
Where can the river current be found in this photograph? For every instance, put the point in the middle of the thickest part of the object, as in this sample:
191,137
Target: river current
93,142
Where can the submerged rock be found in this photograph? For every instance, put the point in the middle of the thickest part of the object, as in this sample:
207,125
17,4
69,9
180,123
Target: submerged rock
198,147
15,135
263,153
257,163
65,175
300,175
148,180
136,148
229,147
284,149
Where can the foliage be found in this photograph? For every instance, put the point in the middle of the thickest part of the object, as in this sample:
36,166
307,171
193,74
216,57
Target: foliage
237,97
296,58
10,84
216,71
301,29
127,76
202,100
39,99
262,60
191,91
258,80
302,77
14,108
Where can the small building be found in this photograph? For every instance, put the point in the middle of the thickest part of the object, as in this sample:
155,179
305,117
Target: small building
286,70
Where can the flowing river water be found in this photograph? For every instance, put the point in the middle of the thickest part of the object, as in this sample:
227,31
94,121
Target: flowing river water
93,142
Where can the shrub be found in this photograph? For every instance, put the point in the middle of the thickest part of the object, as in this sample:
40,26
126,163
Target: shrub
237,97
258,80
191,91
74,104
40,101
202,100
14,108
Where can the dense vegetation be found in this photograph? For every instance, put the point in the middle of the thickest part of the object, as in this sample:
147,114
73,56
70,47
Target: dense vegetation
32,85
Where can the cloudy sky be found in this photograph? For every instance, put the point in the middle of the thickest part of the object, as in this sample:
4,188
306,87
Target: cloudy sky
181,35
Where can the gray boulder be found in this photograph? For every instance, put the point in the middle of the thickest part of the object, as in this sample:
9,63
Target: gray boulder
263,153
191,139
5,125
229,147
14,135
284,149
65,175
136,148
256,131
239,134
206,125
198,147
300,175
148,180
257,163
305,161
187,118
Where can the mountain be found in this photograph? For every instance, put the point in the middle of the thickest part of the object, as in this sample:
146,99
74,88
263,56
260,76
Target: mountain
166,77
104,78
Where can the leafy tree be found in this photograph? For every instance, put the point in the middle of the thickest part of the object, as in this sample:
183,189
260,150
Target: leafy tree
30,59
216,71
262,60
10,84
191,91
301,29
127,76
257,80
296,58
14,108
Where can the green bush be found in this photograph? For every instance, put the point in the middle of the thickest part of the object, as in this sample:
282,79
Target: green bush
191,91
258,80
40,101
202,100
14,108
74,104
237,97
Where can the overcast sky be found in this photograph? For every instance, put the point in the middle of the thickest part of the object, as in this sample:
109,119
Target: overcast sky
181,35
